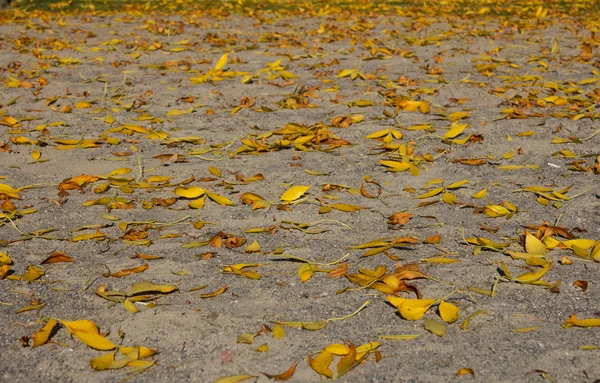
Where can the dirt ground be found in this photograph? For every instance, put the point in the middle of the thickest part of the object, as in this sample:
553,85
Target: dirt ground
141,105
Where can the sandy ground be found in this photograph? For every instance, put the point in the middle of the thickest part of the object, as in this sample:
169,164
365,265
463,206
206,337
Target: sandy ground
137,69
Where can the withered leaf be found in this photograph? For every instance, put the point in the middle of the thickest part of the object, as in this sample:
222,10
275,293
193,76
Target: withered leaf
400,218
57,257
284,375
126,272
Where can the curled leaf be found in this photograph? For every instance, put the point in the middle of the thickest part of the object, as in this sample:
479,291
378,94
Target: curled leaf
448,312
42,335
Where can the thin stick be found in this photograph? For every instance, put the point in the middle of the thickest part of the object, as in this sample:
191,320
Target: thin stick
351,315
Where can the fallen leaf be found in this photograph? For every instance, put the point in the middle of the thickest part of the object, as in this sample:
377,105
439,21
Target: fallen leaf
448,312
42,335
284,375
573,321
434,327
215,293
465,371
87,332
294,193
399,218
126,272
233,378
57,257
320,364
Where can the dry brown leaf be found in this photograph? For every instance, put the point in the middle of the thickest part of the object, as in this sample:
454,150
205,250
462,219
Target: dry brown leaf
284,375
400,218
57,257
126,272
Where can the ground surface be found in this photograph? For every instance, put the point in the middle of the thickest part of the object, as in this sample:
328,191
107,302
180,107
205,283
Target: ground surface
139,103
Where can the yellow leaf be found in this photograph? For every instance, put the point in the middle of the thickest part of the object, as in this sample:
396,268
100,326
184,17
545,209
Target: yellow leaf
496,211
321,364
234,379
361,103
314,326
42,335
465,371
142,352
588,347
448,312
83,105
480,194
5,259
139,365
191,192
278,331
449,198
379,134
458,116
130,306
337,349
582,243
214,171
254,247
109,119
222,62
305,272
36,154
555,48
534,245
431,193
347,208
464,325
177,112
399,337
84,237
197,203
103,362
245,338
348,362
367,347
9,191
434,327
455,130
87,332
456,185
345,73
525,329
223,201
294,193
215,293
532,277
315,173
587,81
573,321
32,273
257,201
262,348
119,171
595,253
30,308
395,166
440,260
411,309
433,182
149,287
410,106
